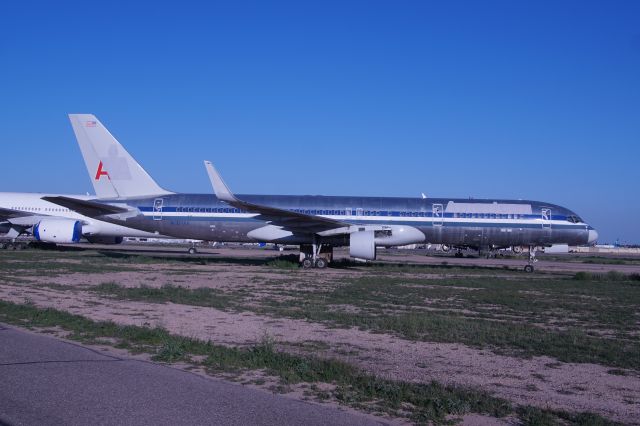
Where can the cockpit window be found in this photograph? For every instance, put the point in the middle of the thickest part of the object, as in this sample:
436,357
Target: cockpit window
574,219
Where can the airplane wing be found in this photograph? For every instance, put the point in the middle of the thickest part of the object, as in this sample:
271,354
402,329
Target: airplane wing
291,221
85,207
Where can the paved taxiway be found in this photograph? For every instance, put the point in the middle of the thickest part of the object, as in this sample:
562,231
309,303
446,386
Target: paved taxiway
49,381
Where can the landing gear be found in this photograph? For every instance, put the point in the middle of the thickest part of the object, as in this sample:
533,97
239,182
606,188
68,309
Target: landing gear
192,250
532,259
321,263
315,255
459,253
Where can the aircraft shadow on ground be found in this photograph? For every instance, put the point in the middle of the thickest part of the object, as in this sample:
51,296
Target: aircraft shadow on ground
212,258
189,259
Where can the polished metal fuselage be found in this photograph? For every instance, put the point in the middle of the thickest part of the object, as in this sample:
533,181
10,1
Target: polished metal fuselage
457,222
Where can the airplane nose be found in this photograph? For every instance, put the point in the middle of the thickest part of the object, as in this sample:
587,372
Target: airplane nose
593,236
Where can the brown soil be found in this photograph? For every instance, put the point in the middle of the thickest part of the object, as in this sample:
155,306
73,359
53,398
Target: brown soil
539,381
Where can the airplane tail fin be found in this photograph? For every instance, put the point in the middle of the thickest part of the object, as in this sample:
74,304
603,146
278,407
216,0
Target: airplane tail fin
112,170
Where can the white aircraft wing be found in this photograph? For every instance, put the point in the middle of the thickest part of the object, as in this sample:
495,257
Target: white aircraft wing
291,221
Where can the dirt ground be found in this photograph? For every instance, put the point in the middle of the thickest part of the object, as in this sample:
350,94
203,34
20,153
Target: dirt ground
541,381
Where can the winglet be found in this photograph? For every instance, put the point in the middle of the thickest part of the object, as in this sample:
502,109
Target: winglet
219,187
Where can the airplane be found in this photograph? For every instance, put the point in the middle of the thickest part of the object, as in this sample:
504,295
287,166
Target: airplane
316,223
28,213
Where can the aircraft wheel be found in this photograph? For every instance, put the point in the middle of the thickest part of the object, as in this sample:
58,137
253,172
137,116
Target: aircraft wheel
192,250
307,263
528,268
321,263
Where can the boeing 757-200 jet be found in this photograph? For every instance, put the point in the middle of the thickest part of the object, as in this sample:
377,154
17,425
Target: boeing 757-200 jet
128,196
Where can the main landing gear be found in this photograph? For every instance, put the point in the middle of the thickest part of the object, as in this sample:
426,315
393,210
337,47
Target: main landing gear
532,259
315,255
193,249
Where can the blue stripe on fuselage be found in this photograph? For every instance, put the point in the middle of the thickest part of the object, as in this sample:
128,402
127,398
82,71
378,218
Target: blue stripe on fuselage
317,212
513,224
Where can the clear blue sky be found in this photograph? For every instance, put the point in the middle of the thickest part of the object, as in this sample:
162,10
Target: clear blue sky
508,99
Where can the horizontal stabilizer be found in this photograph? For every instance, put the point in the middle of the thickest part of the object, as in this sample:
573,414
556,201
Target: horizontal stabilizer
85,207
6,214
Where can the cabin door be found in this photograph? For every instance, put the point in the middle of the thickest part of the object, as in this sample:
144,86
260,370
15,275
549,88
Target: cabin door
157,208
437,214
546,225
546,218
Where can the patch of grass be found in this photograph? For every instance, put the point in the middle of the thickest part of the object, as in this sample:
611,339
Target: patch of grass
617,372
289,262
430,402
609,276
53,263
172,350
176,294
603,261
533,416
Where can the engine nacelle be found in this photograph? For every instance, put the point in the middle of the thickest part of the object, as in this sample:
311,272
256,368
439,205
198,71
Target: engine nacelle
58,231
398,235
362,245
93,239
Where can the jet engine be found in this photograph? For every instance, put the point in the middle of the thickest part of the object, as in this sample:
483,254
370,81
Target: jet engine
362,243
58,231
